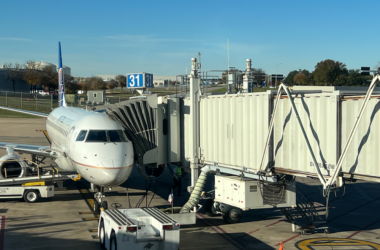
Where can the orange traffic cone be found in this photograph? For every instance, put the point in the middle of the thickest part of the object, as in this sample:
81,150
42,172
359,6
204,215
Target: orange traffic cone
281,246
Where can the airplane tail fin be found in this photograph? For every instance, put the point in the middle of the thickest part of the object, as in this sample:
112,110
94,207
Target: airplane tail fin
61,83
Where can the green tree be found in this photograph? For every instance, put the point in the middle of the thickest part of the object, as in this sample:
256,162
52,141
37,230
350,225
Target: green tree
341,80
289,79
300,79
327,71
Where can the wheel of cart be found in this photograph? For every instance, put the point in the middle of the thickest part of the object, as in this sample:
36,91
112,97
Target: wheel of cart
232,216
113,242
102,235
31,196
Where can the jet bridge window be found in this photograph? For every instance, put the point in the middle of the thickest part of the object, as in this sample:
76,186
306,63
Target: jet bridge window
116,136
82,135
97,136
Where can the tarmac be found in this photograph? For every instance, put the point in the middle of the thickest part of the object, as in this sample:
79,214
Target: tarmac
66,221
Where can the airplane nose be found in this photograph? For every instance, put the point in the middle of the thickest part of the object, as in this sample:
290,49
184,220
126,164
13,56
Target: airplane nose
113,173
112,163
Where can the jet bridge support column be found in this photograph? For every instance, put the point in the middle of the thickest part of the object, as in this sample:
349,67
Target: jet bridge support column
194,118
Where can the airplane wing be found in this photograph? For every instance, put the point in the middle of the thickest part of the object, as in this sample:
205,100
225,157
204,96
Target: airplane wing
30,149
25,111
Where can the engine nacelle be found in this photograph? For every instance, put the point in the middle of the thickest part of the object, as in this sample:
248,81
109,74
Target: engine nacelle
12,166
151,172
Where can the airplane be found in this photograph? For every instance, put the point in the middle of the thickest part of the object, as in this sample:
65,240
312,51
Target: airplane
89,143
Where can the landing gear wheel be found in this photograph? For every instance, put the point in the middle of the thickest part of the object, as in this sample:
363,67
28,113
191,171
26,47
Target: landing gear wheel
31,196
327,231
233,216
96,208
104,204
210,209
113,243
116,205
102,235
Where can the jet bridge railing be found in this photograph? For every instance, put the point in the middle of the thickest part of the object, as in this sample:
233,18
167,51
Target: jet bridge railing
284,88
333,178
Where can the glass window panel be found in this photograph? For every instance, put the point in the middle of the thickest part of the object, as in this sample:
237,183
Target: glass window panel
97,136
82,135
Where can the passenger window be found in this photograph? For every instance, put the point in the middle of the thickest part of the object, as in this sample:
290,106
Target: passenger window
97,136
116,136
82,135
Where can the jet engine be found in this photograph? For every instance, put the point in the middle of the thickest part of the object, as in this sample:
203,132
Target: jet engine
151,172
12,166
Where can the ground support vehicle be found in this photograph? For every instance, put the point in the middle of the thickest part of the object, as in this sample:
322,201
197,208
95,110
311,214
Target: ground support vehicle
32,188
137,228
30,193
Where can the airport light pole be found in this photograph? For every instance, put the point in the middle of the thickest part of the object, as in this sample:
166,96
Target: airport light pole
276,74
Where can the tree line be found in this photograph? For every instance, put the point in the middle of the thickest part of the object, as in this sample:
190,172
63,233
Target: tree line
46,77
328,73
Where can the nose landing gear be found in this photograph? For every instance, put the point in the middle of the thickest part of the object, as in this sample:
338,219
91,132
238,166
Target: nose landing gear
99,204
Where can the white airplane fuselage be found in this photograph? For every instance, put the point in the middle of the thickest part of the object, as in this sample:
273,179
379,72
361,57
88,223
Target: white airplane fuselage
97,156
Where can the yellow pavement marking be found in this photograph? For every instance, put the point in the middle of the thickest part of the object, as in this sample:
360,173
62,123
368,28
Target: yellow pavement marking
93,230
90,201
88,219
85,212
319,243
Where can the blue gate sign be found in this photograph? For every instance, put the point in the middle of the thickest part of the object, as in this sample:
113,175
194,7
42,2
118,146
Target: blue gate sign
140,80
148,80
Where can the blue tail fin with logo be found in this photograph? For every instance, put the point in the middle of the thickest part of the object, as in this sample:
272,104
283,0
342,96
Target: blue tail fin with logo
61,83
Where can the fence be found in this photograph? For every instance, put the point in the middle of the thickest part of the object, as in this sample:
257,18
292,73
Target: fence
28,101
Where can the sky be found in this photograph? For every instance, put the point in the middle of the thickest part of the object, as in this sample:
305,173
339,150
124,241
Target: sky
161,37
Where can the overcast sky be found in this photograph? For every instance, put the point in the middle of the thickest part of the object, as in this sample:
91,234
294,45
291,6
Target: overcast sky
160,37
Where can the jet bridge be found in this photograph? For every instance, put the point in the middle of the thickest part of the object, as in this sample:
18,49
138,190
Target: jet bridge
153,125
319,132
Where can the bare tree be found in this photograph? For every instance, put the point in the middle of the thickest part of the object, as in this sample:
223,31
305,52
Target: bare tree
94,83
13,72
32,74
31,64
50,78
259,75
112,84
122,81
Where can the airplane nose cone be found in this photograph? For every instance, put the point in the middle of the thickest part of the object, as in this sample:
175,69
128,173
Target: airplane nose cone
114,172
112,163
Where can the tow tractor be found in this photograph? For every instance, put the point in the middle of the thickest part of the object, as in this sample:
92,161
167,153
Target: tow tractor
137,228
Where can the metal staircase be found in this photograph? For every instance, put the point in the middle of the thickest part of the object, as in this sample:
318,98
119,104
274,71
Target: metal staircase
304,216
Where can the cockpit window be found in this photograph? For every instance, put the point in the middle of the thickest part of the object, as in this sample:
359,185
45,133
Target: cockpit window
97,136
82,135
116,136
